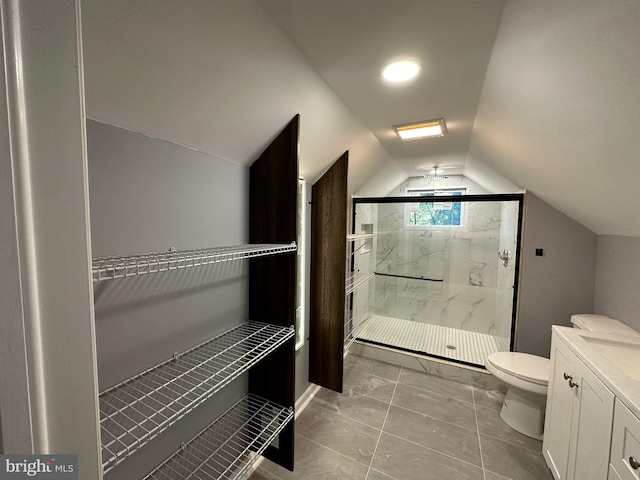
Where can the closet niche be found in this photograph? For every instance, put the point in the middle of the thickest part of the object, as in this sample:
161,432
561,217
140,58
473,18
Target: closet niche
195,342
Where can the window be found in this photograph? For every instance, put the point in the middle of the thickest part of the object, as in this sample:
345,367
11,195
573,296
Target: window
434,214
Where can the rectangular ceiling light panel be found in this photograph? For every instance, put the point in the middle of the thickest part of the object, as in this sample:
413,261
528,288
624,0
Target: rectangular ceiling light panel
429,128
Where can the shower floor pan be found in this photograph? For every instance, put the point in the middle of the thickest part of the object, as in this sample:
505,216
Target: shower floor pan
443,342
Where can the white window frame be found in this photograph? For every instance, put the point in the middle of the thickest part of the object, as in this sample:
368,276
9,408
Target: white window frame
445,191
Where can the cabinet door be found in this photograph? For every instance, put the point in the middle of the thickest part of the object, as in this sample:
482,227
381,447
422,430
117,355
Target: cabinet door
328,252
590,427
625,445
560,401
613,475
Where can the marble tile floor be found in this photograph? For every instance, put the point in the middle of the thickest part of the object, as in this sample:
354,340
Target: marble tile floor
393,423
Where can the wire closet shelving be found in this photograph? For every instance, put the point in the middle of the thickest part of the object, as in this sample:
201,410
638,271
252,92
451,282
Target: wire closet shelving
106,268
352,237
355,280
137,410
351,331
227,447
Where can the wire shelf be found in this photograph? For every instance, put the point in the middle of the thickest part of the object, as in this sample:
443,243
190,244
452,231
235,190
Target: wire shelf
355,280
351,332
227,447
106,268
134,412
352,237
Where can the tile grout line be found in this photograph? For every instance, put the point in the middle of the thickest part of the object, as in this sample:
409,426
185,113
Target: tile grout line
436,418
422,389
384,423
332,450
432,449
324,407
347,416
475,412
500,439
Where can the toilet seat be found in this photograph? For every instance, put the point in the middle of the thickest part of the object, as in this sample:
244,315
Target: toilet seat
526,367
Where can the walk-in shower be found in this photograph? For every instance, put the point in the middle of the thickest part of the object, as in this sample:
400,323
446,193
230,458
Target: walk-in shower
441,270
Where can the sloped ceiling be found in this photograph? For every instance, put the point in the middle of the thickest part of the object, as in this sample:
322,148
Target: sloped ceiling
542,95
560,109
220,77
349,43
552,106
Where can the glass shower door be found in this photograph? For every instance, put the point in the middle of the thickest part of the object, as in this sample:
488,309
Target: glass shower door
440,284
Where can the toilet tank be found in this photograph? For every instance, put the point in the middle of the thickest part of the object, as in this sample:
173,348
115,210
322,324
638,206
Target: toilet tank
601,323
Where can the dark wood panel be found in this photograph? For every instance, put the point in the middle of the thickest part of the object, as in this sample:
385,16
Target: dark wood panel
273,205
274,378
328,270
273,214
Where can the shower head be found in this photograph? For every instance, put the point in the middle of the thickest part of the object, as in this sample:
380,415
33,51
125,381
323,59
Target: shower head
434,175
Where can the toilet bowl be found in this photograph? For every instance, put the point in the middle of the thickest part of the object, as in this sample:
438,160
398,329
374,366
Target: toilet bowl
527,377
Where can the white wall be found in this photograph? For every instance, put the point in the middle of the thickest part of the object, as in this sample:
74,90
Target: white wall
557,284
617,279
166,196
218,76
48,398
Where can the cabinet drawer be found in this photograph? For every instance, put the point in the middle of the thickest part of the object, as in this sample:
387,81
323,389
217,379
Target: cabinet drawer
625,443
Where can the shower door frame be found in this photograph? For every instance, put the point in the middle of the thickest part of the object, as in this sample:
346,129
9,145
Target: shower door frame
504,197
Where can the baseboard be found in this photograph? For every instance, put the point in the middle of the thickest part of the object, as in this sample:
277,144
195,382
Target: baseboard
306,397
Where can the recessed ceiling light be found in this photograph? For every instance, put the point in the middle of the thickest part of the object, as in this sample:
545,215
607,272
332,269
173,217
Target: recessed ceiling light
400,71
428,128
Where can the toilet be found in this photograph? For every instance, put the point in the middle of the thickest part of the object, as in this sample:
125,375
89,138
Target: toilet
527,377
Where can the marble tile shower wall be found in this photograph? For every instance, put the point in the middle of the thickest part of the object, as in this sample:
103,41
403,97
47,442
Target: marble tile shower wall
506,275
473,286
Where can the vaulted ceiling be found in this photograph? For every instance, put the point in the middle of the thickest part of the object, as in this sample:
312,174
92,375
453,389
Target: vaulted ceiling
544,94
349,43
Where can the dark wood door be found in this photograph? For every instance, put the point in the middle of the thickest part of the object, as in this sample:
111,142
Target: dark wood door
328,270
273,205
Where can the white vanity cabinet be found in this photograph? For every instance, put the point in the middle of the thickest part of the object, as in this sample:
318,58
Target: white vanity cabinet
613,475
578,419
625,445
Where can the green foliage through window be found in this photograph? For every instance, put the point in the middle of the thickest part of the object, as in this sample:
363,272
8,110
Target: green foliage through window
432,214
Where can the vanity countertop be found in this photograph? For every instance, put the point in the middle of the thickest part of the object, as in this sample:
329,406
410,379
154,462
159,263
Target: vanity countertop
615,359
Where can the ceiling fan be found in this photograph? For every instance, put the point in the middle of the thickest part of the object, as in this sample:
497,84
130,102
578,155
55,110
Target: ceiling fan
436,171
